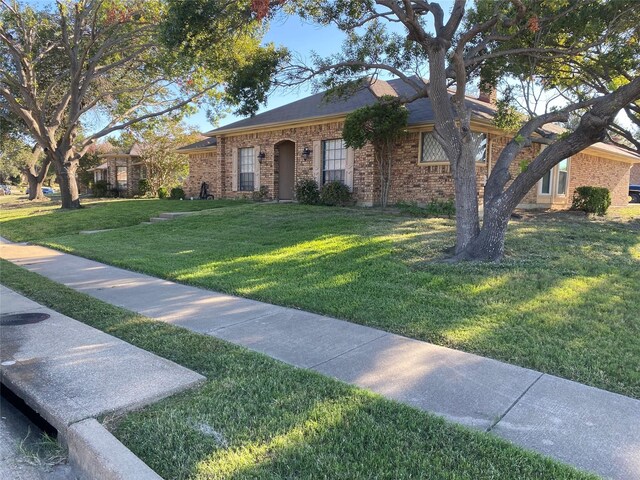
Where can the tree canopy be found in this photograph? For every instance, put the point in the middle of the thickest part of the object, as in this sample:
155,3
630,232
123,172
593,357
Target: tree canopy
584,51
75,71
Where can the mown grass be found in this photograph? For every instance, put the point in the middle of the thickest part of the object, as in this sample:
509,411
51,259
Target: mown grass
257,418
564,301
26,221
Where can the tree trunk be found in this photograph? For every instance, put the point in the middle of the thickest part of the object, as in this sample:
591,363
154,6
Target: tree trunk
466,199
35,179
66,170
35,188
383,156
488,245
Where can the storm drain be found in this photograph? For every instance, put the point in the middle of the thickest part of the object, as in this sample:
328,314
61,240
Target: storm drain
22,318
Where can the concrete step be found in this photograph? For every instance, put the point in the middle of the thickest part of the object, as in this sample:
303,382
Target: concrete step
172,215
91,232
158,219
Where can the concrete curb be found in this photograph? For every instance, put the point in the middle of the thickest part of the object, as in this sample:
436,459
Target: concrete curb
95,453
58,368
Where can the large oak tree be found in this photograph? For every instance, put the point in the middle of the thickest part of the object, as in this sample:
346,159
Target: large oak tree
588,49
76,71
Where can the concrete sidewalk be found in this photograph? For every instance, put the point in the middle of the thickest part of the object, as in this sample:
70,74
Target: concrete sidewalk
68,371
589,428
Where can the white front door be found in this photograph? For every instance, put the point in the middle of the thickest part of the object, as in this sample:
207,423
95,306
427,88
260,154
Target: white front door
554,185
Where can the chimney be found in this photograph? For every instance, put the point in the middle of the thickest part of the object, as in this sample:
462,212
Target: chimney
488,93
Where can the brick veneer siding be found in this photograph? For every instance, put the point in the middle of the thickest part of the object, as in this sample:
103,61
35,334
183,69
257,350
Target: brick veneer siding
203,167
634,178
363,178
411,181
600,172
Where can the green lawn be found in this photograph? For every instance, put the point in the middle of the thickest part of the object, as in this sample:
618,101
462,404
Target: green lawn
565,301
22,220
257,418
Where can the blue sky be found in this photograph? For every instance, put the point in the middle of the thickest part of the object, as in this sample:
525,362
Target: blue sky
301,38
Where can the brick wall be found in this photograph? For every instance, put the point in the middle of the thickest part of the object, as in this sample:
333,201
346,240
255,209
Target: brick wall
600,172
634,178
419,182
203,167
410,180
363,179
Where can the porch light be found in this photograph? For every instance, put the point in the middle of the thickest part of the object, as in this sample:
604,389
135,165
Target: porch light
306,153
261,157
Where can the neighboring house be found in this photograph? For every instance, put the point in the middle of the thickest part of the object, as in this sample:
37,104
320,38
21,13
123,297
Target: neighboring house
300,140
122,170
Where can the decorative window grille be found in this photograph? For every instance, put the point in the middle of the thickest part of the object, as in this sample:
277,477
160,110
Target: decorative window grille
433,152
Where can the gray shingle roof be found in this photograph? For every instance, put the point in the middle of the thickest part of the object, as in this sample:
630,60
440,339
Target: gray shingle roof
314,106
420,111
207,142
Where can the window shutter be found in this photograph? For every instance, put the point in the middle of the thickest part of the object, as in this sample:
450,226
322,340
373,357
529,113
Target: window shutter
348,173
256,169
234,170
317,161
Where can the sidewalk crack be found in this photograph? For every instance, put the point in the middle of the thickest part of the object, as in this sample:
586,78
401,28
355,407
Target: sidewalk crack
499,419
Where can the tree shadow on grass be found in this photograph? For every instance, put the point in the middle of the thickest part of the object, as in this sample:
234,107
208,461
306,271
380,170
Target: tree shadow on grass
564,301
257,418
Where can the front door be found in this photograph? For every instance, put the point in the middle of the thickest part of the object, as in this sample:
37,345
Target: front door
286,170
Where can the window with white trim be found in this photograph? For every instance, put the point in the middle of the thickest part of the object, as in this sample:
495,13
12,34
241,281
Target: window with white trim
545,184
245,169
334,160
563,175
432,151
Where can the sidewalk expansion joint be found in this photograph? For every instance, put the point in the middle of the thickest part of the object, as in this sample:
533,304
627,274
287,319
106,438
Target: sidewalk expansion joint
499,419
224,327
384,334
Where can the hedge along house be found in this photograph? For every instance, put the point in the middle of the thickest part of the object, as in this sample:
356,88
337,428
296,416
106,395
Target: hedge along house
302,140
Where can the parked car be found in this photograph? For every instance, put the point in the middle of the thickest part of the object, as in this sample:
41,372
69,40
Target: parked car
45,190
634,193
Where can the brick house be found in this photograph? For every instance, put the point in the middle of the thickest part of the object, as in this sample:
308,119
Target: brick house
635,175
122,170
303,140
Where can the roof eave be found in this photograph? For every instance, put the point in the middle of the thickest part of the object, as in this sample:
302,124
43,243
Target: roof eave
195,150
276,125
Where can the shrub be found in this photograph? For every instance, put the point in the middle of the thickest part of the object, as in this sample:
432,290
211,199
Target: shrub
307,192
591,200
100,188
144,187
177,193
435,208
261,194
163,192
335,194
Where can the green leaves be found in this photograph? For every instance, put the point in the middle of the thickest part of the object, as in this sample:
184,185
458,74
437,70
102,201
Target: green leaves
224,39
377,124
